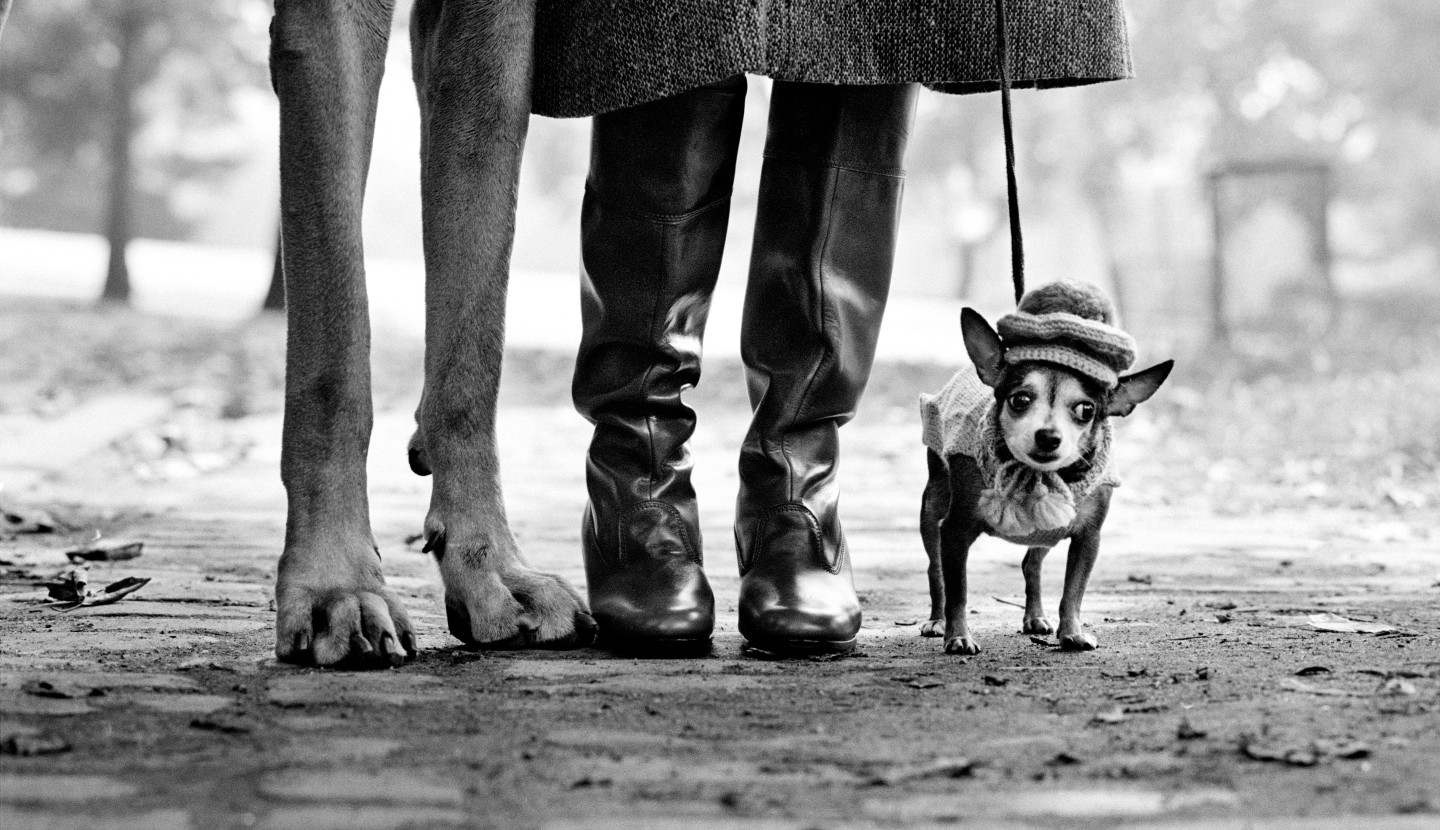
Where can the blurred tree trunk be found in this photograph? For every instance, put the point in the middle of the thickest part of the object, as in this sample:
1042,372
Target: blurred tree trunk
118,228
965,261
275,297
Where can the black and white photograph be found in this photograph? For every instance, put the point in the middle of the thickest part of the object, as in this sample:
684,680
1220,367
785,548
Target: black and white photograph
650,414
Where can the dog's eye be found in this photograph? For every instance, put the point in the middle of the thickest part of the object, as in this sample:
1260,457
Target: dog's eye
1020,400
1084,412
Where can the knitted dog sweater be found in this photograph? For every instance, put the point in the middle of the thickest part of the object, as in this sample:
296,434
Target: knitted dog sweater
1021,504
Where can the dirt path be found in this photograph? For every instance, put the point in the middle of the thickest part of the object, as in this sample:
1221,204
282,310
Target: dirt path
1213,702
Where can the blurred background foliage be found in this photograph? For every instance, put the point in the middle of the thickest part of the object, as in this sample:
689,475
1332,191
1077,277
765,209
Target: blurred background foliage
136,94
1113,176
85,84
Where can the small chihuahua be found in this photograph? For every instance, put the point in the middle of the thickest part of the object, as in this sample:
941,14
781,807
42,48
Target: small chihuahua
1018,447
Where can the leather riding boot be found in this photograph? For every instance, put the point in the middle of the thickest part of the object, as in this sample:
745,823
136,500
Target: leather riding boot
653,224
819,275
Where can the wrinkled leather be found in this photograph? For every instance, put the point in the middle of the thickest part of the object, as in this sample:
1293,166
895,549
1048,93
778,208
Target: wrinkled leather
820,272
653,225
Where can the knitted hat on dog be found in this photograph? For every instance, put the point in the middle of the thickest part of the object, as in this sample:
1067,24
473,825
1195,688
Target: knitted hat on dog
1072,324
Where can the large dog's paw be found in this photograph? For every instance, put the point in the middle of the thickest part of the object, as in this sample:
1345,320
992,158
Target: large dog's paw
963,644
1074,637
932,628
493,600
334,609
1038,626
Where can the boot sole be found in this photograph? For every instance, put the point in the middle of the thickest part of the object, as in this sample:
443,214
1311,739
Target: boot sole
803,648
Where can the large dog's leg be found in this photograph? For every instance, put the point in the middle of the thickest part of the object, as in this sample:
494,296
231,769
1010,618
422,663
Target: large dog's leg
326,60
472,74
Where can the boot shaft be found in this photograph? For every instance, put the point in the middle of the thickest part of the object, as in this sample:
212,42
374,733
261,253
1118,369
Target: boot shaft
820,274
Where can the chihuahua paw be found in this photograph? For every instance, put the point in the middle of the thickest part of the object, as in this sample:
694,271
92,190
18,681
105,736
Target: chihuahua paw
932,628
1078,640
962,645
1037,625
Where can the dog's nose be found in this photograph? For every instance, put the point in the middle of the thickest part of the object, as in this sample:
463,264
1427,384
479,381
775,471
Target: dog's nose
1047,440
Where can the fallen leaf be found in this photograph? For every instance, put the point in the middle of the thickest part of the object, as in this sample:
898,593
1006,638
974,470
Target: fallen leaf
992,680
1140,579
61,691
1041,641
1294,756
73,593
1062,759
1188,732
939,768
107,550
1342,625
41,743
1304,755
69,584
1109,716
588,781
1396,687
1347,750
907,622
925,683
1386,675
1309,671
1292,685
228,723
115,591
17,519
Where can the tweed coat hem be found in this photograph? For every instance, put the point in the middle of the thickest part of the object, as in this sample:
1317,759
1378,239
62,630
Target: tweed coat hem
594,56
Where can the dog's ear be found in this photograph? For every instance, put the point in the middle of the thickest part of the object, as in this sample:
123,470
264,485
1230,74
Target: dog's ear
1137,388
983,345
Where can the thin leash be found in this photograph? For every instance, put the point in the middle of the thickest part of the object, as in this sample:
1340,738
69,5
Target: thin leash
1017,242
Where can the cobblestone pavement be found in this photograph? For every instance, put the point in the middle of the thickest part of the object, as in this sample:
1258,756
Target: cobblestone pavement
1214,702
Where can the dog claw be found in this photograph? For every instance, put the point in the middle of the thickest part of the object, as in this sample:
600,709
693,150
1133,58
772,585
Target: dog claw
932,628
419,463
434,543
391,651
322,623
